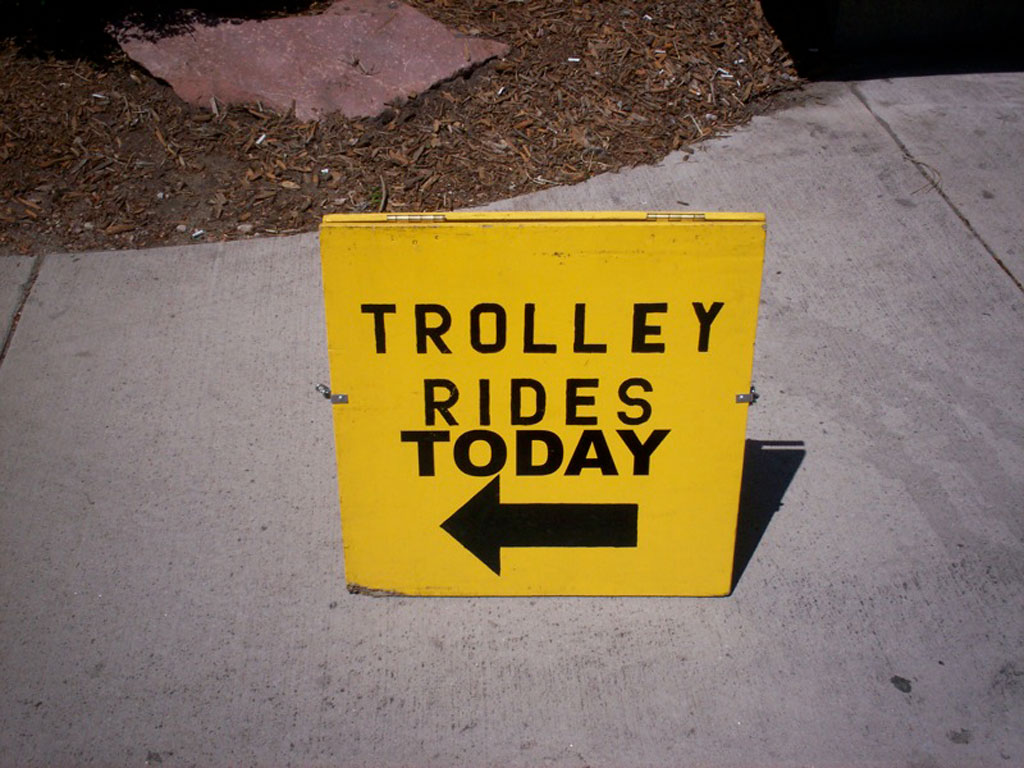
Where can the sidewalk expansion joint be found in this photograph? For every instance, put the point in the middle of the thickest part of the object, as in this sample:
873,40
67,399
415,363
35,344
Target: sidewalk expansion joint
929,174
26,291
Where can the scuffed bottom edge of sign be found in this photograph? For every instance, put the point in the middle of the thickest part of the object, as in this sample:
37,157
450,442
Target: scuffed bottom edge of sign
359,589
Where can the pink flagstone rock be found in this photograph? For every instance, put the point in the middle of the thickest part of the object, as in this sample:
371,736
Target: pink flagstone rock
355,57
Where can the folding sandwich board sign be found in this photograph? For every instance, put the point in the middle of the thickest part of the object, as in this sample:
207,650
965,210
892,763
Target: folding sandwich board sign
540,403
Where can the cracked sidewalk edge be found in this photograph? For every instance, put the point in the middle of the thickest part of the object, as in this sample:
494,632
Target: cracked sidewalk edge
929,174
26,291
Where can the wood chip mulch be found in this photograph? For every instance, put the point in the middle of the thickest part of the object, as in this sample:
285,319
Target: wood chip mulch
103,156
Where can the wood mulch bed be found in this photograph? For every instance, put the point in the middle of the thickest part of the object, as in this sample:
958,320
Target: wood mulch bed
104,156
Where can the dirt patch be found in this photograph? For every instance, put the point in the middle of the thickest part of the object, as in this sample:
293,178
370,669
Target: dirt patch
102,156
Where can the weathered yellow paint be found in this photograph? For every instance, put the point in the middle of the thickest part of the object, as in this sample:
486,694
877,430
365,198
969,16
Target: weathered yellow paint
686,507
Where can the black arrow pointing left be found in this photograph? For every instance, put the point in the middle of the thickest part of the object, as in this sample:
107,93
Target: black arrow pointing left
484,525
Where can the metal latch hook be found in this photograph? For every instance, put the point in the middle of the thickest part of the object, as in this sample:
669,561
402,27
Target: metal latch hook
338,399
750,397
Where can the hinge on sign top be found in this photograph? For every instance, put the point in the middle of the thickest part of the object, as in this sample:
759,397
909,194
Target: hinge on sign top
415,217
678,216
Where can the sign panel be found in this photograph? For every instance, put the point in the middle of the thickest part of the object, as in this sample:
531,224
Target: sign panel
542,403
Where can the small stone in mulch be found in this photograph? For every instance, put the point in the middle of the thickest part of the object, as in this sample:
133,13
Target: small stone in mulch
355,58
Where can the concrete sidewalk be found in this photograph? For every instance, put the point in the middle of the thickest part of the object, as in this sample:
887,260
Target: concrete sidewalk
172,584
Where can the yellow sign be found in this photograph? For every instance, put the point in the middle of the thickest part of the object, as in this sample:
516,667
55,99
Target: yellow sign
542,403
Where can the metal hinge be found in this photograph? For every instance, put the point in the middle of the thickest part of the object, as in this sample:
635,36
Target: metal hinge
324,390
750,397
416,217
680,216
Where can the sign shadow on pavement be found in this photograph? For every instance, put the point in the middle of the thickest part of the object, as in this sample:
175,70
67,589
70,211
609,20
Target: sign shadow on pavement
769,466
